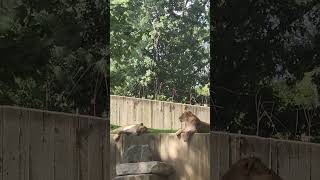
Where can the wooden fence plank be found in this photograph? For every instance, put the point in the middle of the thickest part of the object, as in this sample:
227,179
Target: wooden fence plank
11,132
113,153
24,142
167,116
223,148
73,148
235,149
303,163
113,110
274,155
293,160
130,112
138,110
214,157
106,151
147,114
36,147
62,156
315,162
284,151
95,150
82,136
154,114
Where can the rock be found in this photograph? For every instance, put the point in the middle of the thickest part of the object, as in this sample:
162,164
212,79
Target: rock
152,167
141,177
137,153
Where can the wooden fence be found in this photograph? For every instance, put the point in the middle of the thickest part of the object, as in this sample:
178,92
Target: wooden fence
43,145
290,159
154,114
190,161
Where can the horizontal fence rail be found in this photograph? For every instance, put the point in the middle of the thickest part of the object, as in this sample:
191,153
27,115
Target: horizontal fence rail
44,145
190,160
154,114
292,160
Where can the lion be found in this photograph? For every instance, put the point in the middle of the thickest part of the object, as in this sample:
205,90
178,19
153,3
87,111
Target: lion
135,129
250,168
193,125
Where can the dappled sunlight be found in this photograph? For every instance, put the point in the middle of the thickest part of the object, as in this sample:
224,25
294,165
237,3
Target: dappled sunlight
189,170
190,160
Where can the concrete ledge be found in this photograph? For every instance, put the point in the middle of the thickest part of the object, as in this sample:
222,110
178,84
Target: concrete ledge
140,177
152,167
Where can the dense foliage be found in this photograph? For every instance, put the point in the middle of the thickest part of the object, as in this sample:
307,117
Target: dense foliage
54,55
265,63
160,49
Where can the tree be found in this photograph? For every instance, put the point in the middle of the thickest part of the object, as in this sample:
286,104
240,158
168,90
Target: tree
254,43
159,49
55,55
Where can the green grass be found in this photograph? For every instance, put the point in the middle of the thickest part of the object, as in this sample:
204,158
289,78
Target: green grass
155,131
112,126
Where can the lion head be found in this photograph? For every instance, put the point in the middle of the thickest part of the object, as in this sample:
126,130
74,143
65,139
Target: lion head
250,168
185,116
142,129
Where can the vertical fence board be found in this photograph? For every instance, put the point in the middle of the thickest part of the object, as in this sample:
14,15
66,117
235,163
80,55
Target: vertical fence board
122,112
106,151
315,162
138,106
113,109
176,111
95,150
147,113
224,146
73,148
161,116
62,155
293,160
113,153
154,114
214,157
167,116
117,112
284,152
48,146
11,141
304,162
24,138
274,155
235,149
130,112
83,147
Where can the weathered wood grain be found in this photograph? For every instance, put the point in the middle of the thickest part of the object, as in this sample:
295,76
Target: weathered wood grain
153,114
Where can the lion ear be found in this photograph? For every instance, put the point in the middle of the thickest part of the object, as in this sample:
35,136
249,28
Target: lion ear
141,124
186,108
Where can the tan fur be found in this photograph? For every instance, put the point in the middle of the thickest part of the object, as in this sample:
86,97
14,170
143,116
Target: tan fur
135,129
193,125
250,169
